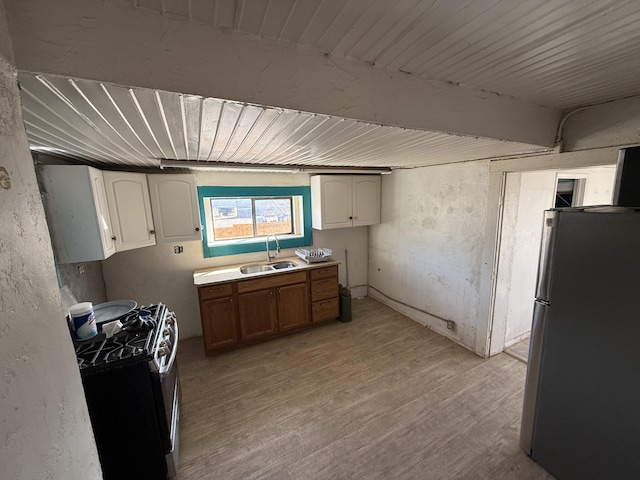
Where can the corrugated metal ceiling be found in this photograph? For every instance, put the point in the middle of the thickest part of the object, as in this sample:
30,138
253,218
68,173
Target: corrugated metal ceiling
133,126
560,53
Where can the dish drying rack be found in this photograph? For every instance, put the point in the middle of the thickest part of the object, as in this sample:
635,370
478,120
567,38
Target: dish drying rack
314,255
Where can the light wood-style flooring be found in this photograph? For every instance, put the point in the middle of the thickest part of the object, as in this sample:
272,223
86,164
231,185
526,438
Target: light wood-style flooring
380,397
519,350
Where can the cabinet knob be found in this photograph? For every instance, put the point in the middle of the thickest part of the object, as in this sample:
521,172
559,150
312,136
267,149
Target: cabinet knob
197,229
152,232
113,238
350,218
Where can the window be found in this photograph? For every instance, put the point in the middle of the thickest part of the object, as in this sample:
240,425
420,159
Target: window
569,192
238,219
251,217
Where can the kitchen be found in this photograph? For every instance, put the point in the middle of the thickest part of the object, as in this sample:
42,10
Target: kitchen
459,200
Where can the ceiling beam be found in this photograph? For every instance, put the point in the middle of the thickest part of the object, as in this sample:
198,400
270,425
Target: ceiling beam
117,43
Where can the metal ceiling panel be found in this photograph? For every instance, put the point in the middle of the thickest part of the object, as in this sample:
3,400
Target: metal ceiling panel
109,124
561,53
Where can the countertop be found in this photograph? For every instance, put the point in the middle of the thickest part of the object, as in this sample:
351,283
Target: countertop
231,273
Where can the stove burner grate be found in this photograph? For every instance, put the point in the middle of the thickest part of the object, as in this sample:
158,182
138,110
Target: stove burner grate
139,329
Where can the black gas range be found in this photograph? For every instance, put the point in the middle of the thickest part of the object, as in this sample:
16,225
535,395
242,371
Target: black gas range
132,389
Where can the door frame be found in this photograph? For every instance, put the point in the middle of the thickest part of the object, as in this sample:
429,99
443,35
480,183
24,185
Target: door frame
488,342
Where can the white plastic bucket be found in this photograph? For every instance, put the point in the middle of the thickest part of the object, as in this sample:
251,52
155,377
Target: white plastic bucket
83,321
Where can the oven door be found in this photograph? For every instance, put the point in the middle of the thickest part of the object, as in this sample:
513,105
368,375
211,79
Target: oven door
170,387
172,455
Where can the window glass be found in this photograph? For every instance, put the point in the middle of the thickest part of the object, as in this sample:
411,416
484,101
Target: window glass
250,217
273,215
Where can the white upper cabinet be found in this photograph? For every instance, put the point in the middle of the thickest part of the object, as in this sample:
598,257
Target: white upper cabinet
174,201
340,201
366,199
77,213
130,208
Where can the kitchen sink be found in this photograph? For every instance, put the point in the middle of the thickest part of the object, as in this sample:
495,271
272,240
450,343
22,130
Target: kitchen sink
282,265
256,268
271,267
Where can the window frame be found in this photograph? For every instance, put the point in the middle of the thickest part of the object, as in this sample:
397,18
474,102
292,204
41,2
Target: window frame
254,244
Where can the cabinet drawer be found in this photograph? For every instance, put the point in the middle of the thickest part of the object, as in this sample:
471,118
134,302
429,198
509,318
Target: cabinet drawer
324,272
325,288
325,309
271,281
215,291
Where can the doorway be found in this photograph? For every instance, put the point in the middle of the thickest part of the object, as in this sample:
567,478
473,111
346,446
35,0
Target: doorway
526,196
569,191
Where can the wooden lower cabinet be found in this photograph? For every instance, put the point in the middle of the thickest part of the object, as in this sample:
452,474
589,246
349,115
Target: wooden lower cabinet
219,324
293,307
325,310
245,311
325,300
257,314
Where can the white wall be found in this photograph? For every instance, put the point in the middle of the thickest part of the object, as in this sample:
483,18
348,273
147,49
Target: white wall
611,124
527,195
427,253
45,432
156,274
434,253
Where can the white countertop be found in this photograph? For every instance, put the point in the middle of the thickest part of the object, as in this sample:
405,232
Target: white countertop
231,273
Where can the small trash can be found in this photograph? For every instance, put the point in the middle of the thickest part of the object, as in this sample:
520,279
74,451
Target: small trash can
345,304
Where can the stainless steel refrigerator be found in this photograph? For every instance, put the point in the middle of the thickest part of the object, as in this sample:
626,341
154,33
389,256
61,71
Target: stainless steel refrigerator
581,412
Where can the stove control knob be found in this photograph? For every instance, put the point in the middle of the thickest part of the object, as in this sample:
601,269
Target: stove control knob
171,320
167,332
163,351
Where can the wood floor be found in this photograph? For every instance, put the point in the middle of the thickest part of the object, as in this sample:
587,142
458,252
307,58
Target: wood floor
380,397
519,350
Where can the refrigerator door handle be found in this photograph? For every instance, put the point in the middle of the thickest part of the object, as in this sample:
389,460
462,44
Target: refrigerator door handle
536,344
543,284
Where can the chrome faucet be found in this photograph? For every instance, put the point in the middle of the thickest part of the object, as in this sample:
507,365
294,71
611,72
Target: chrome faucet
269,257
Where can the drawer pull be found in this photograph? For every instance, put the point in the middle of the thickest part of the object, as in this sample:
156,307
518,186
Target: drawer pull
217,289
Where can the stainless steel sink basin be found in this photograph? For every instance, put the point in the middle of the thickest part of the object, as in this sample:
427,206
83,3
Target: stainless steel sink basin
282,265
270,267
256,268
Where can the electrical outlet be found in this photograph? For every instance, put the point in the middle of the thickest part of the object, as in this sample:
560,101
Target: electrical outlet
451,325
178,249
81,270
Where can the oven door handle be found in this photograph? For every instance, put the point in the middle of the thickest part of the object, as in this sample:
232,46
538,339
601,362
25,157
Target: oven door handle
169,364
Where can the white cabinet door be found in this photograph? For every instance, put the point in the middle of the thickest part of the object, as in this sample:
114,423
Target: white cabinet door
174,202
340,201
331,201
130,208
102,212
77,213
366,200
